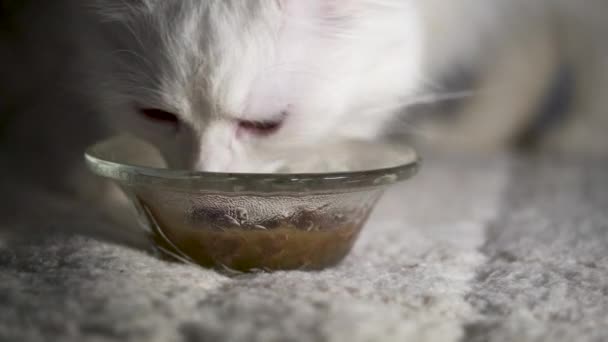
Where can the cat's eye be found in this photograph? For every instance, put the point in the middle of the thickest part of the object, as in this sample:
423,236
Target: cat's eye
160,116
260,128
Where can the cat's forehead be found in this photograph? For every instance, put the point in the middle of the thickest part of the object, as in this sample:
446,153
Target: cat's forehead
187,46
242,56
203,28
168,10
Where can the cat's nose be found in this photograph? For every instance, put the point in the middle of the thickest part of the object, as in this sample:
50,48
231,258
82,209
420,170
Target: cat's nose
216,147
213,161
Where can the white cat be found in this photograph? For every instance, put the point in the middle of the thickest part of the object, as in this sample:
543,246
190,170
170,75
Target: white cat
267,85
257,86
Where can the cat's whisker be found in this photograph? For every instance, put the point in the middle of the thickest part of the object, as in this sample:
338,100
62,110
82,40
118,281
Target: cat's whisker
297,69
437,98
145,61
420,100
405,128
135,36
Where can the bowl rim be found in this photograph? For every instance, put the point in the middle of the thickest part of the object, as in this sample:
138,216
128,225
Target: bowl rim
205,181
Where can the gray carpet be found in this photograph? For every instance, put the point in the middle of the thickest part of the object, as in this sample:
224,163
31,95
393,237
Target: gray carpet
477,249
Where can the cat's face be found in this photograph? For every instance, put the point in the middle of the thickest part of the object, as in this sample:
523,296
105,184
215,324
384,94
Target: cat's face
258,85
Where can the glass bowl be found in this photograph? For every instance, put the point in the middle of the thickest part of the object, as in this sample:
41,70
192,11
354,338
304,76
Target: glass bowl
246,222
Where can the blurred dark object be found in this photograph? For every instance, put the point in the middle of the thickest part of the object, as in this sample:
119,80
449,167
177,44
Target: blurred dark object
9,11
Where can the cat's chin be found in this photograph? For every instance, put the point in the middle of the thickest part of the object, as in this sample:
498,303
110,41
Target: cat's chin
345,156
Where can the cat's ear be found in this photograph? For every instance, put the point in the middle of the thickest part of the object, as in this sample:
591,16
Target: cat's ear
122,10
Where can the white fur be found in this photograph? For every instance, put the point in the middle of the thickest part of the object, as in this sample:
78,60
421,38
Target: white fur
330,64
342,67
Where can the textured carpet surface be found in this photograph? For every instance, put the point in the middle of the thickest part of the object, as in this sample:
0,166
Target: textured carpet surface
485,249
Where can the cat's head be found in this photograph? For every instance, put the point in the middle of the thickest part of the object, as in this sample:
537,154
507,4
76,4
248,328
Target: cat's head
258,85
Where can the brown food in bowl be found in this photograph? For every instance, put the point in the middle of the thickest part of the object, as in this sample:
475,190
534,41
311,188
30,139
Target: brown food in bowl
286,244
